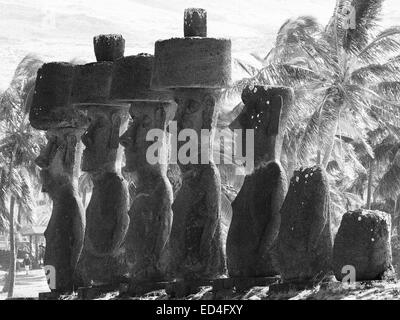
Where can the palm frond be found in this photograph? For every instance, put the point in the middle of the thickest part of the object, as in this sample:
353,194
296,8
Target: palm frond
289,36
367,16
384,45
389,184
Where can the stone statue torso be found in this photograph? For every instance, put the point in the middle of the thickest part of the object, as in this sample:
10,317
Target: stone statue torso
107,218
150,214
198,201
64,235
255,212
305,239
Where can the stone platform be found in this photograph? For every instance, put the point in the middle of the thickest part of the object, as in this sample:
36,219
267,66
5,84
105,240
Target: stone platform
89,293
182,288
138,289
242,284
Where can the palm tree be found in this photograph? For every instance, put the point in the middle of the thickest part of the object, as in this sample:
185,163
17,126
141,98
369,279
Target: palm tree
19,146
339,73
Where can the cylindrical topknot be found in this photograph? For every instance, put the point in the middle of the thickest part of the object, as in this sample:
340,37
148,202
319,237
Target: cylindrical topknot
192,63
109,47
92,83
131,80
195,23
51,100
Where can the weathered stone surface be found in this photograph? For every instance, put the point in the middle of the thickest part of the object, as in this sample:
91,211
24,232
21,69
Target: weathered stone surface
304,244
195,23
59,162
92,83
363,241
255,222
174,175
180,289
109,47
197,249
242,284
103,257
265,111
131,80
192,63
195,68
256,217
151,211
51,100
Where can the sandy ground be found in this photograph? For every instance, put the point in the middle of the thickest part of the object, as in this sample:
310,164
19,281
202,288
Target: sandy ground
27,286
380,290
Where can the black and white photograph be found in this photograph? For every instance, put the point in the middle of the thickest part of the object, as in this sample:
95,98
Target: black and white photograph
197,155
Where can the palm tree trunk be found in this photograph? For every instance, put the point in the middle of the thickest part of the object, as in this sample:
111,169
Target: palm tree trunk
370,176
397,214
11,273
329,150
319,157
19,217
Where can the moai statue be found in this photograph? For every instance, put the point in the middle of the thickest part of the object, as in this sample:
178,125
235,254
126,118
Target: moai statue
103,257
151,209
362,246
60,166
304,245
256,218
196,68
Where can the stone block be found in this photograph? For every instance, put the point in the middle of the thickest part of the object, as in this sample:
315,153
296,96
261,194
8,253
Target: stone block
131,80
363,241
192,63
51,106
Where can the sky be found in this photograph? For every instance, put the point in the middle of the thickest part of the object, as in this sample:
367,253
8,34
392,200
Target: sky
60,30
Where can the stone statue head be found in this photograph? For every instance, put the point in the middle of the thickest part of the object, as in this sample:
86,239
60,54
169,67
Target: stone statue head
58,158
146,116
101,139
196,109
262,113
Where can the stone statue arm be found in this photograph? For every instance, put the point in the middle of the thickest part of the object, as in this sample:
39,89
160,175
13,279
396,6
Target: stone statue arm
165,219
320,216
122,225
212,184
